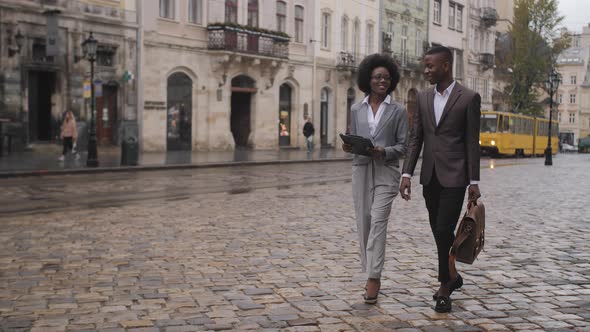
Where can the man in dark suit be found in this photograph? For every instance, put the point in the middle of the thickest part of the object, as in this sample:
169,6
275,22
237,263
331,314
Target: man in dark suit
447,124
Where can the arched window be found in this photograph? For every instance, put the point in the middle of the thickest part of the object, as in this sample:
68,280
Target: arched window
253,13
299,24
179,112
231,11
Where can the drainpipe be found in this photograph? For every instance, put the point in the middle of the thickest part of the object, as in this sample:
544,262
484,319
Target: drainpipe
138,78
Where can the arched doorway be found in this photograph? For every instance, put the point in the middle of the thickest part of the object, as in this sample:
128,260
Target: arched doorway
242,88
179,106
324,107
106,114
285,93
411,106
350,97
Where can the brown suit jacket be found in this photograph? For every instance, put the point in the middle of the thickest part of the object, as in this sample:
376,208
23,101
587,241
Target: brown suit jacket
451,147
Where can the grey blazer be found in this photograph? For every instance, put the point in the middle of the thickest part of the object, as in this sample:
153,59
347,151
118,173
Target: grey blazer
391,132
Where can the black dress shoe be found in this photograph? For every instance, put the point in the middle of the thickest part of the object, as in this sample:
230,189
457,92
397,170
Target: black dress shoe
456,285
443,304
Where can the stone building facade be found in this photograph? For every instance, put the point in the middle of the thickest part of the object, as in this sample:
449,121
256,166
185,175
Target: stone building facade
447,27
573,95
479,55
46,74
404,34
221,75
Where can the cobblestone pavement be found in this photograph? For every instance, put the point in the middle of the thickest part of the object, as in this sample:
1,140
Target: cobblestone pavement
285,257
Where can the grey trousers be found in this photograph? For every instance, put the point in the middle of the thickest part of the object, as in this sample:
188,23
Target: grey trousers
374,186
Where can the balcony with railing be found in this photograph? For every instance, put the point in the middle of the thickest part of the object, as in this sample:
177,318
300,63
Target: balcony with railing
347,62
248,40
489,16
486,60
408,62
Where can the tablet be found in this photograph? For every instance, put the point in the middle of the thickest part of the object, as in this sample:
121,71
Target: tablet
360,145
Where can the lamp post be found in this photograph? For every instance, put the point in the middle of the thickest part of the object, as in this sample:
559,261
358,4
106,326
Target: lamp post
89,48
552,84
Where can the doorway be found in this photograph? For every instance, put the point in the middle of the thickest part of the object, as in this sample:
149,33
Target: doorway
42,126
179,112
285,115
106,114
325,97
241,108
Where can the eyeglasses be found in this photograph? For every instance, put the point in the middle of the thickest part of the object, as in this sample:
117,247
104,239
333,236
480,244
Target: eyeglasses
380,77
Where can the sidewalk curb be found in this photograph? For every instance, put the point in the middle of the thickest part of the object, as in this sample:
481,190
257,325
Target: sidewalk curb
122,169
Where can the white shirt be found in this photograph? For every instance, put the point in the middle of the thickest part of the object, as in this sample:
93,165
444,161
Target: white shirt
440,101
373,119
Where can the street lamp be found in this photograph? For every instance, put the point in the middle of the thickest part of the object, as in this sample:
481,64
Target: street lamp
551,84
89,48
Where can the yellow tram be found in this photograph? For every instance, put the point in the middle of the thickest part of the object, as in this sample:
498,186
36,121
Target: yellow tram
516,134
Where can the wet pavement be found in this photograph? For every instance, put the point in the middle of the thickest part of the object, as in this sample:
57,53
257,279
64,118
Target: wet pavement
44,159
272,247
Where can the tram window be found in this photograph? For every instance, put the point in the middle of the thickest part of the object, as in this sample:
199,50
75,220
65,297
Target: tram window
488,123
512,125
506,124
528,126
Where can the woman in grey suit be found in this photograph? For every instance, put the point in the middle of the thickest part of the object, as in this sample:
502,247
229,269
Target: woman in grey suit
375,178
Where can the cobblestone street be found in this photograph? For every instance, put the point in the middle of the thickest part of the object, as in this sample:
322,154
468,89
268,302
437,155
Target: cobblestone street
263,248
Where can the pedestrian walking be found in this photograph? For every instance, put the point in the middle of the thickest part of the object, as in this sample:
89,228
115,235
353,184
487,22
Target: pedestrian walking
375,178
68,134
308,131
447,125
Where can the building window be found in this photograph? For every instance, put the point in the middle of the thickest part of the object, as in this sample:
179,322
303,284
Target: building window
472,37
572,117
486,90
281,16
419,43
356,38
167,9
253,13
404,45
326,30
452,16
572,98
370,38
344,34
560,99
476,41
458,64
559,117
437,12
105,55
195,11
459,15
573,79
231,11
299,24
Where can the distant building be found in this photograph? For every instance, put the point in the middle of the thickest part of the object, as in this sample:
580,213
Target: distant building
47,74
481,36
404,35
573,96
447,27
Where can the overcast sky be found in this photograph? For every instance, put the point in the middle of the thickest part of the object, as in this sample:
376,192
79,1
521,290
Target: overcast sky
575,12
